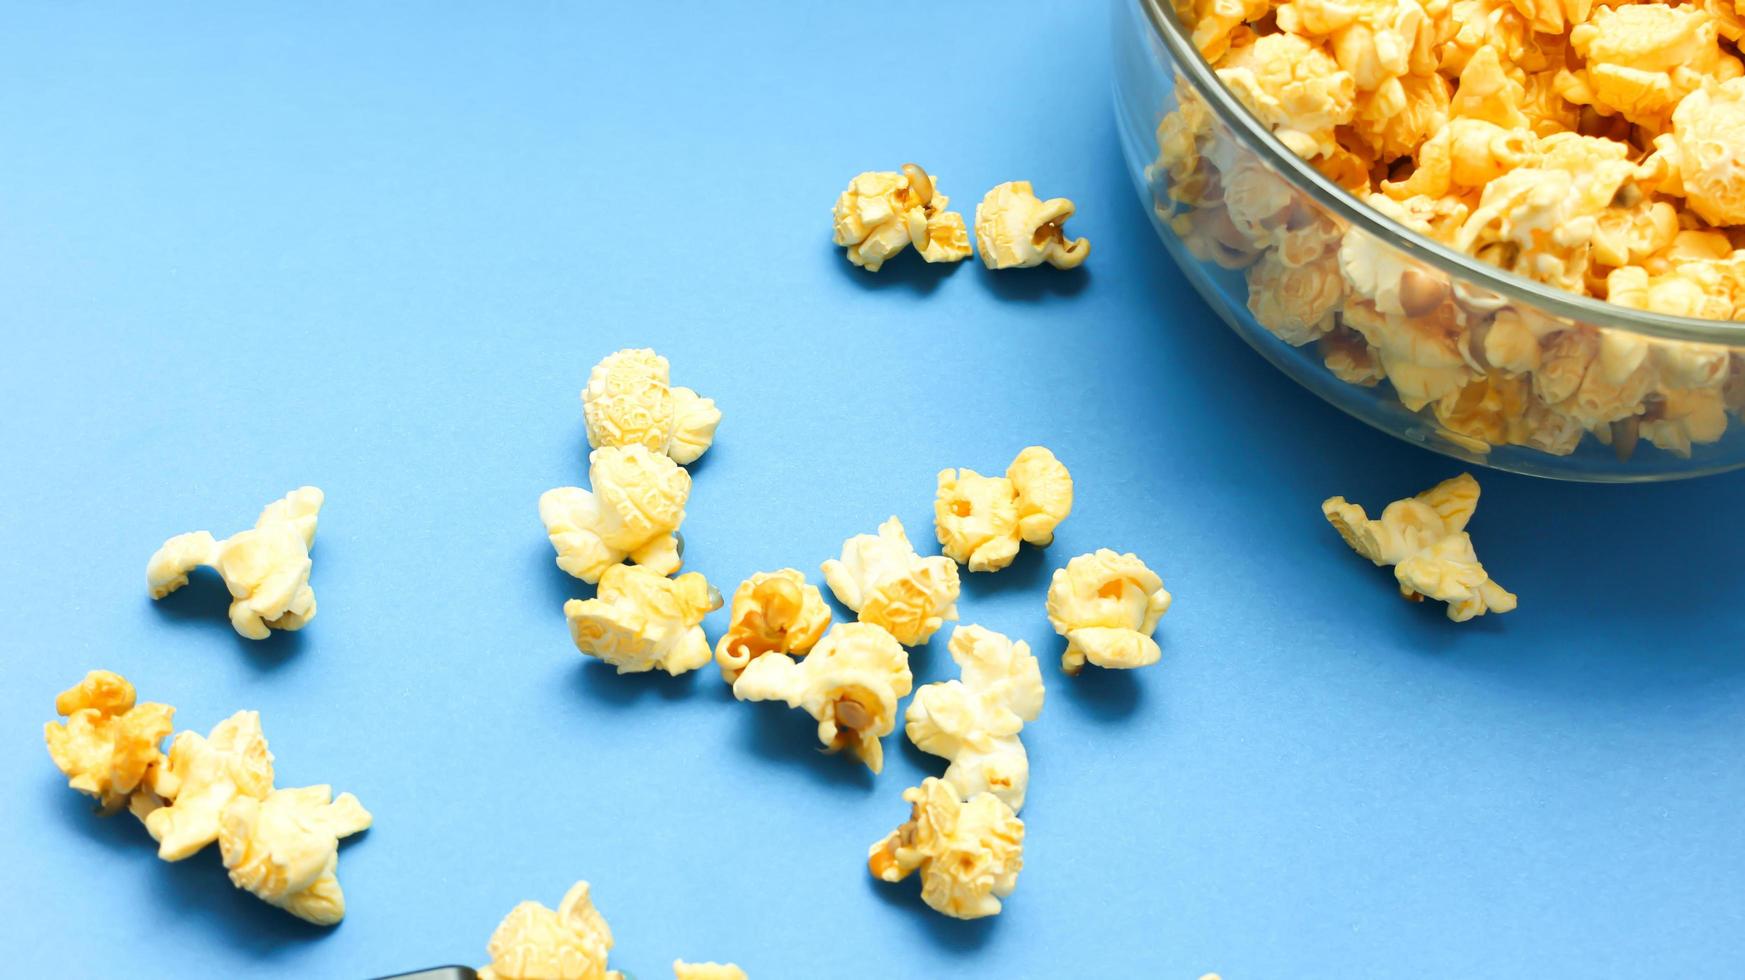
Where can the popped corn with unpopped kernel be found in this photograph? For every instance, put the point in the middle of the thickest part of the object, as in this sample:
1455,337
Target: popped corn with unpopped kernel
887,584
629,401
974,722
981,519
1425,539
632,512
967,853
639,620
850,683
1017,230
1107,605
1598,148
266,568
883,212
772,612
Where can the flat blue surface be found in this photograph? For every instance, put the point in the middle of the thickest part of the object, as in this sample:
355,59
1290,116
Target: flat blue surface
244,248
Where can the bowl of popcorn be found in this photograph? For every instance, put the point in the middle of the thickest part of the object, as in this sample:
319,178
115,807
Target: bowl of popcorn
1511,231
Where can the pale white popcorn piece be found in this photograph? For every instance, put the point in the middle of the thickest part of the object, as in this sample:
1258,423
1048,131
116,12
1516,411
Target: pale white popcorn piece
884,581
266,568
109,742
706,971
1017,230
968,853
285,849
632,513
629,401
981,519
200,778
974,722
536,943
850,683
640,620
1425,539
883,212
1107,605
773,612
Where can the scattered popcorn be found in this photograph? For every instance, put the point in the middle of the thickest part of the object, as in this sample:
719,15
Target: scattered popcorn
968,854
850,682
199,778
265,568
773,612
633,513
108,743
981,519
640,620
629,402
883,580
1016,230
881,213
1425,539
280,844
974,722
706,971
1591,147
535,943
285,849
1107,605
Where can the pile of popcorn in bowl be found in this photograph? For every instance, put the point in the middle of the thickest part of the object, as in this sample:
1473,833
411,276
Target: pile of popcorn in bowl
1511,230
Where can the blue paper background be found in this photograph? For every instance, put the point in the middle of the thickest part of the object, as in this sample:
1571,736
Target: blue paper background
376,248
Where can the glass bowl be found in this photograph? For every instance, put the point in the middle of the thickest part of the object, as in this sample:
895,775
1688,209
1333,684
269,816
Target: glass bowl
1438,348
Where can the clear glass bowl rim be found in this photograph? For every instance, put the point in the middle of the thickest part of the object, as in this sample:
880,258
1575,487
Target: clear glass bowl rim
1459,266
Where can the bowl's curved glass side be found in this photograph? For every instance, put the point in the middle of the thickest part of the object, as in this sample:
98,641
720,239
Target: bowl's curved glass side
1400,344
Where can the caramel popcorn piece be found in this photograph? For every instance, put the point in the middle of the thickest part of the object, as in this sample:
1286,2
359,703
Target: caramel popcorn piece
974,722
1425,539
630,402
1642,59
109,742
883,580
881,213
535,943
773,612
633,513
265,568
706,971
981,519
200,777
1017,230
850,683
968,853
284,849
640,620
1107,605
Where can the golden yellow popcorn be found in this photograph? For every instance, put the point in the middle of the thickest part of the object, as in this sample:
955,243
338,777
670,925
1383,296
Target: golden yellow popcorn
773,612
883,580
1641,59
1707,147
535,943
201,776
630,402
1293,87
881,213
640,620
633,513
981,519
1425,539
974,722
1017,230
850,683
706,971
108,743
968,853
1107,605
285,849
265,568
